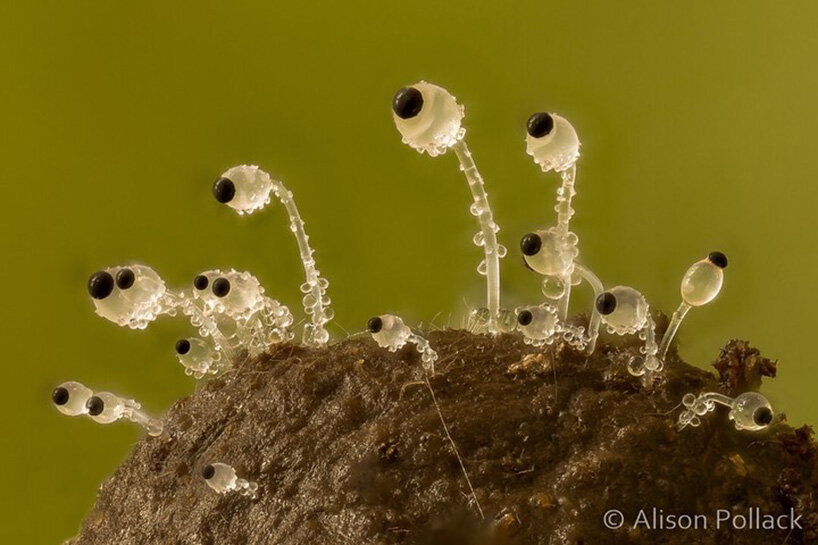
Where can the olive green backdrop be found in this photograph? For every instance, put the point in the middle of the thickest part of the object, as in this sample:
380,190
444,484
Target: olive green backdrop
698,122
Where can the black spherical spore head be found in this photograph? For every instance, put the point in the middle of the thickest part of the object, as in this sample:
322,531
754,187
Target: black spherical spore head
224,190
718,259
100,285
182,347
606,303
208,472
525,317
407,102
201,282
60,395
374,324
221,287
540,124
530,244
762,416
125,278
95,405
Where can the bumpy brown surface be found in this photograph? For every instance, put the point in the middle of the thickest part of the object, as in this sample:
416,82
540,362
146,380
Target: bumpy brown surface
347,447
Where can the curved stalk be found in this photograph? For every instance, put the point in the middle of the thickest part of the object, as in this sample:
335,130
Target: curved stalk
427,354
316,302
482,210
596,318
199,320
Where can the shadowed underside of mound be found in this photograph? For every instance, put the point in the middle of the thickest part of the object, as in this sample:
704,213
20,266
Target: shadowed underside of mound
347,446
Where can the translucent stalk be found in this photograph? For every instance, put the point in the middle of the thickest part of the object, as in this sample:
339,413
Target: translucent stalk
562,303
134,413
565,212
700,405
651,363
482,210
564,196
596,318
316,302
204,323
427,354
675,322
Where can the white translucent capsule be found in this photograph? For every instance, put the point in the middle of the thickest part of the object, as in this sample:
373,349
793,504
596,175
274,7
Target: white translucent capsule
702,281
552,142
428,117
128,296
538,323
389,331
548,253
105,408
223,479
239,295
623,309
749,411
701,284
70,398
197,356
244,188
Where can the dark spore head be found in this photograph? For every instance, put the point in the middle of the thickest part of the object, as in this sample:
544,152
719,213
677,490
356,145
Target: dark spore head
182,347
606,303
95,405
221,287
540,124
200,282
208,472
525,317
100,285
374,324
407,102
718,259
125,278
60,395
530,244
224,190
763,416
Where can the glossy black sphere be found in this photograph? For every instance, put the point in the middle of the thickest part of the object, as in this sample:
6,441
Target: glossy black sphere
407,102
60,396
718,259
221,287
200,282
95,405
208,472
763,416
374,324
182,346
125,279
531,244
525,317
224,190
100,285
606,303
540,124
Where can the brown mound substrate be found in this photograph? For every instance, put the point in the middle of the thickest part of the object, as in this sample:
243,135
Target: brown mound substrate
347,447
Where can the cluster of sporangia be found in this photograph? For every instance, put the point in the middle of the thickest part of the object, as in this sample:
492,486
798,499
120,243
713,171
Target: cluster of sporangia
232,312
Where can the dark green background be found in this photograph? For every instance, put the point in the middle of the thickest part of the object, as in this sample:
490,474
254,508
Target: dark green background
698,122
